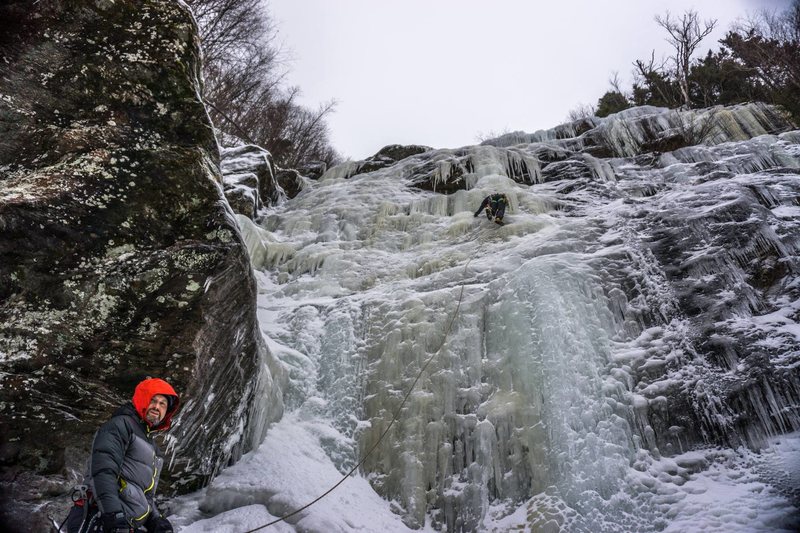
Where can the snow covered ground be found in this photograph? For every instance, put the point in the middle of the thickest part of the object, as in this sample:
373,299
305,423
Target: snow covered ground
289,470
734,492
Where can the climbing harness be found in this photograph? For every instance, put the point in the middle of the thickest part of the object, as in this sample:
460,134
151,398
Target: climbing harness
81,497
385,431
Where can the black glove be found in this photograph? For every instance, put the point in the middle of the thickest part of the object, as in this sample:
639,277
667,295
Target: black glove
158,525
115,523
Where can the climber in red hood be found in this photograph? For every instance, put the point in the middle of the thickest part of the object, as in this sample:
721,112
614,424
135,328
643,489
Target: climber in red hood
119,490
155,397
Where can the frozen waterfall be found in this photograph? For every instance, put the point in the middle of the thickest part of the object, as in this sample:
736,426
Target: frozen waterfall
624,358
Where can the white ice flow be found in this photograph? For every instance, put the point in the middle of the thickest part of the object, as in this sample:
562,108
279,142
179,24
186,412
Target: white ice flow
535,413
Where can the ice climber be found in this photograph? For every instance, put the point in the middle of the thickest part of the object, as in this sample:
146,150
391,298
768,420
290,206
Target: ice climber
495,205
124,466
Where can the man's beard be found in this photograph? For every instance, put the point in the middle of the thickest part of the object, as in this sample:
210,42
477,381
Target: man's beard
153,418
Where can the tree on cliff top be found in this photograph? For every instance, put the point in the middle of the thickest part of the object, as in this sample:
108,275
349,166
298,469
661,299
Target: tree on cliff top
244,75
759,61
767,48
685,35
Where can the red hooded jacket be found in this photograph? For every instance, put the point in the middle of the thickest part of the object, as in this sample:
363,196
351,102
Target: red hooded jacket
144,393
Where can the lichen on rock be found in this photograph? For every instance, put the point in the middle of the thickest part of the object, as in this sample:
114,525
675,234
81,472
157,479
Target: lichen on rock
121,256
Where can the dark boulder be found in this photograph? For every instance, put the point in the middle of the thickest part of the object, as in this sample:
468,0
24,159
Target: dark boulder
444,176
386,157
249,178
398,152
290,181
120,256
313,170
241,190
389,155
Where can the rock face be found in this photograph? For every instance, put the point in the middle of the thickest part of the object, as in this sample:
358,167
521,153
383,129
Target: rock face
313,169
121,258
291,181
386,156
252,181
570,150
249,178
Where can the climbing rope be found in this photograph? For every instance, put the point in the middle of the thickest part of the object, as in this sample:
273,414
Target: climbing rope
230,121
385,431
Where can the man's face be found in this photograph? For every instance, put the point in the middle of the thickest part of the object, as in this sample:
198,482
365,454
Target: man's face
157,409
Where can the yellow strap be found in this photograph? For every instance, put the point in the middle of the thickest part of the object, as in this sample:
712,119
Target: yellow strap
155,473
144,515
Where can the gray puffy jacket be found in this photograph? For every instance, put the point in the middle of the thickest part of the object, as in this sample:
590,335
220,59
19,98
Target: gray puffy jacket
125,465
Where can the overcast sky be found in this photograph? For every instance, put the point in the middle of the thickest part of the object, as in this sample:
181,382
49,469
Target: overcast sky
442,72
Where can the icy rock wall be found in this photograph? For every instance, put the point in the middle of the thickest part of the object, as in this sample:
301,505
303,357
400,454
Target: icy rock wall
646,129
630,309
448,171
249,179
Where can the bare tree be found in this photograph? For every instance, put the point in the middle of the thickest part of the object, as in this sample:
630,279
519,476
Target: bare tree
581,112
685,35
244,75
775,25
768,46
241,64
491,134
653,77
615,82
